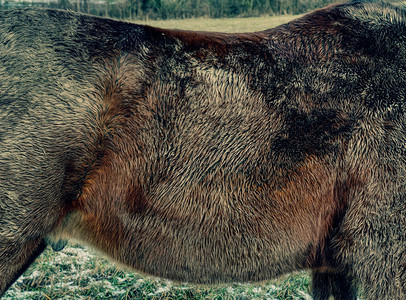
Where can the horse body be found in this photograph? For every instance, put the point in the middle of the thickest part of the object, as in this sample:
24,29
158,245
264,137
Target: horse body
209,157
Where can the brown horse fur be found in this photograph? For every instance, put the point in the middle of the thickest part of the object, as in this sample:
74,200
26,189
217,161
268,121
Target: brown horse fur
209,157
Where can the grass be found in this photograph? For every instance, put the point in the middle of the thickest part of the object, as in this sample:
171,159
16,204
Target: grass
223,25
76,273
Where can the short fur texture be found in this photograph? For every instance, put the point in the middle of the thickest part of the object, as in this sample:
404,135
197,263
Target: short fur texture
209,157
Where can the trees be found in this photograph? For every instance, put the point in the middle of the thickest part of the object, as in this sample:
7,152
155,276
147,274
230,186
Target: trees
167,9
225,8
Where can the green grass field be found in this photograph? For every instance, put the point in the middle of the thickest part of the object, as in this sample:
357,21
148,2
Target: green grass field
76,273
223,25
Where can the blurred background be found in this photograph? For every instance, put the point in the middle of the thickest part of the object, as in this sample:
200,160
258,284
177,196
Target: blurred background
175,9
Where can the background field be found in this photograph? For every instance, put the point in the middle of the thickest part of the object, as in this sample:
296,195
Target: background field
76,273
250,24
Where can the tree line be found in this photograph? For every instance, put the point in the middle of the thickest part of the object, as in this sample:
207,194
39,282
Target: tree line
169,9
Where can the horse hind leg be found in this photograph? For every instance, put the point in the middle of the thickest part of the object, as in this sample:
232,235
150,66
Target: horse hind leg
372,241
329,283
